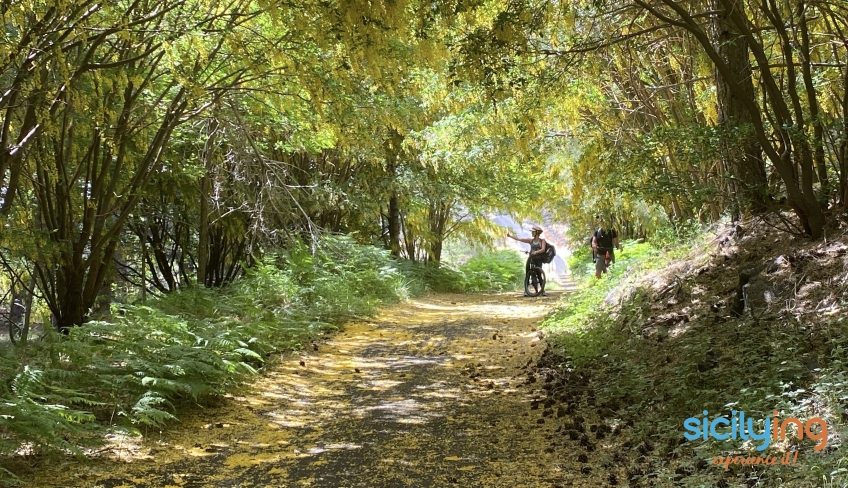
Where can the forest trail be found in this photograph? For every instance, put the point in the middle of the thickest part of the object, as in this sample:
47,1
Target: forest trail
434,392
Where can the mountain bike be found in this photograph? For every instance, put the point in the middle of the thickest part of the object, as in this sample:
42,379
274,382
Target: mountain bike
534,280
18,323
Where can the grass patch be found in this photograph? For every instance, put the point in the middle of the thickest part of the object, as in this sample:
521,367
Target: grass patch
663,349
493,271
487,272
62,393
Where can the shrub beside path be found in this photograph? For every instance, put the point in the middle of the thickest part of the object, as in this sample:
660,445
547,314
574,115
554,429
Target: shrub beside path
440,391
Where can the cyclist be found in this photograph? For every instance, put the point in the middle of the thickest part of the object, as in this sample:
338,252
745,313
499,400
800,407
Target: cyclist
604,240
538,246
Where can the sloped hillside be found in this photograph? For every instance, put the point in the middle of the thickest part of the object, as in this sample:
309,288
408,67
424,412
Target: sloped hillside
748,320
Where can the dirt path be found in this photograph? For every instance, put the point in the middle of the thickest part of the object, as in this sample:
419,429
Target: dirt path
435,392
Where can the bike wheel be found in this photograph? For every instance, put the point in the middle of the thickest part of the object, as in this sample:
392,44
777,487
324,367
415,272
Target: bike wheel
536,284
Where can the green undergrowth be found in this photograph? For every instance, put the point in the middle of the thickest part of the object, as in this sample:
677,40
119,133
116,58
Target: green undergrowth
491,271
574,319
651,369
584,323
132,371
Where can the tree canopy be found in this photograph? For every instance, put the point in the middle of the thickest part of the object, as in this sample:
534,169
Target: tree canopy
162,144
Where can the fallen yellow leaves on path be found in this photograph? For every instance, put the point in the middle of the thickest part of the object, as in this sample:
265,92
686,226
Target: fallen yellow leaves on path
432,392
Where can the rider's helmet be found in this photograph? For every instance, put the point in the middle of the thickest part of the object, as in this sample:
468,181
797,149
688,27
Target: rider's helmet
536,228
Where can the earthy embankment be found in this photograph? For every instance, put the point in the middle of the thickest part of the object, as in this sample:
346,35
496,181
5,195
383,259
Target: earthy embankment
435,392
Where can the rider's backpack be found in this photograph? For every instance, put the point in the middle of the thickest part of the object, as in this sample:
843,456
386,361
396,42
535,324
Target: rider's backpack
550,252
590,244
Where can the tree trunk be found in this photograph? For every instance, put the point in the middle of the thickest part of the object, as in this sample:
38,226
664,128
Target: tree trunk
103,304
71,309
394,224
393,146
842,150
800,193
812,102
205,189
741,151
408,240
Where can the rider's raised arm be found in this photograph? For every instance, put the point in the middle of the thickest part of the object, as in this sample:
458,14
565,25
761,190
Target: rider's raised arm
525,240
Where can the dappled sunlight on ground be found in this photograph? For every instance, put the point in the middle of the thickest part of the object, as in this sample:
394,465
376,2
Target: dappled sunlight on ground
432,392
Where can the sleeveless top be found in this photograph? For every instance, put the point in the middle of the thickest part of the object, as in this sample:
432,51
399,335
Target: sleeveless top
535,245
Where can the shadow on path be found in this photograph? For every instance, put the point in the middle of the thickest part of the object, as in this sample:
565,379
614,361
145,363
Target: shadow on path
433,392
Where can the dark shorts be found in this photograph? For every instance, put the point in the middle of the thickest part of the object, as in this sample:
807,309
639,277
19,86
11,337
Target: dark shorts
599,262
